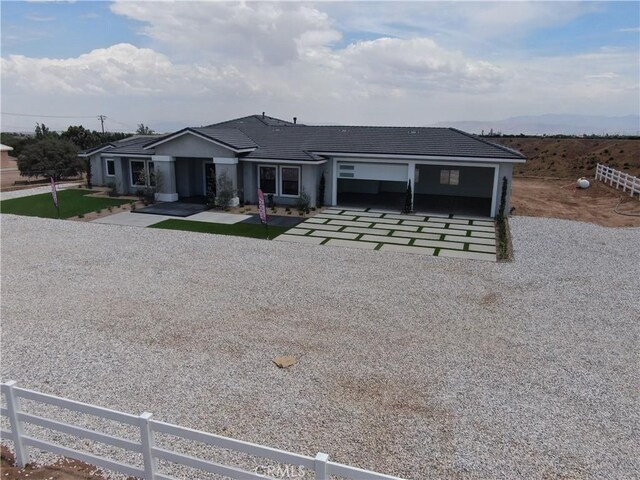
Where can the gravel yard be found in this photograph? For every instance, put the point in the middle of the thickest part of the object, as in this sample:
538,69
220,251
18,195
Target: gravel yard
410,365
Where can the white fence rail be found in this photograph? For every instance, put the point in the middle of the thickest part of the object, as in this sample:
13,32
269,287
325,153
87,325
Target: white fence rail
618,179
151,453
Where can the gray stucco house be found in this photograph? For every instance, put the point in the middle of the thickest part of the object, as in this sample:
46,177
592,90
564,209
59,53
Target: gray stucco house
450,171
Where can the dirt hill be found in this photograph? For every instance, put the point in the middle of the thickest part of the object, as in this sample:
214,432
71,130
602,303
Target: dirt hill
572,157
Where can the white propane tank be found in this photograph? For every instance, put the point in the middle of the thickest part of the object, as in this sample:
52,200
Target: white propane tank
583,183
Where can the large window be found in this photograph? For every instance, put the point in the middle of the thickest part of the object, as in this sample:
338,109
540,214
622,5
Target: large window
143,173
290,181
137,173
267,177
449,177
111,167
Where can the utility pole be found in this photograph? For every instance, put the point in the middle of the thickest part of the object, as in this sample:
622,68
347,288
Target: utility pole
102,118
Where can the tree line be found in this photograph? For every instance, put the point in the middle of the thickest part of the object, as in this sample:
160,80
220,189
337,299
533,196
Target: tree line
55,155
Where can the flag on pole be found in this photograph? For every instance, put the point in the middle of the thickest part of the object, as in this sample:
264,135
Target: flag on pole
54,193
261,207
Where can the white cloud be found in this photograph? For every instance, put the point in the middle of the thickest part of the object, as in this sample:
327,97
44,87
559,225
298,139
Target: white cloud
121,69
211,60
267,33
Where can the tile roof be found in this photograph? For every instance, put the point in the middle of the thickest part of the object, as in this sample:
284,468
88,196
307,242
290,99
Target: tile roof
288,141
272,138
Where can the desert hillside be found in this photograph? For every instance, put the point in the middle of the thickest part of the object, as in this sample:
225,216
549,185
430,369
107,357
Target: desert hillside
572,157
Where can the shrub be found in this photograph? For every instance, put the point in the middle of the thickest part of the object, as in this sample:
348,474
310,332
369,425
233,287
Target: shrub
303,202
501,222
113,190
408,200
224,190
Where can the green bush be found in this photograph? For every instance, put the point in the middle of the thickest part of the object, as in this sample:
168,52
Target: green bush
303,202
113,190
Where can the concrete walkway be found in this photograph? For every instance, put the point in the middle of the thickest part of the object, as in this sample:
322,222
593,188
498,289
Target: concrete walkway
27,192
458,237
135,219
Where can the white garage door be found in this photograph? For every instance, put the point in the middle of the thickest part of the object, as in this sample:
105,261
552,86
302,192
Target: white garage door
373,171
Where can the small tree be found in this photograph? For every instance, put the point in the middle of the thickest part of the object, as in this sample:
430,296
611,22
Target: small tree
153,181
321,190
303,202
42,132
408,199
211,191
503,240
143,130
50,158
224,190
503,199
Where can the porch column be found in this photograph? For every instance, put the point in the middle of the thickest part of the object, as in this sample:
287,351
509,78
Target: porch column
411,177
120,165
165,167
228,166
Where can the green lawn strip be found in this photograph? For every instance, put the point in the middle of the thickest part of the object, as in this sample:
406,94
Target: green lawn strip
236,229
73,202
378,246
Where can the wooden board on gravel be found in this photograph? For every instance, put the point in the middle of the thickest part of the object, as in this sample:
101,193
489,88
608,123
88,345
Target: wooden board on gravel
561,199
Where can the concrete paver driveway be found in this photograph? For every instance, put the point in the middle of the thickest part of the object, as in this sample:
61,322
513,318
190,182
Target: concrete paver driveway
458,237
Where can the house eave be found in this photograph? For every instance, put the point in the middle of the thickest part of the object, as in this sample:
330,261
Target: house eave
396,156
276,160
189,131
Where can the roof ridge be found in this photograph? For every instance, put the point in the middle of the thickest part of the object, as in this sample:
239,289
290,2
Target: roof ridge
475,137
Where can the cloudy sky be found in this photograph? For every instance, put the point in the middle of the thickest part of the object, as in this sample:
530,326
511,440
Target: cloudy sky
171,64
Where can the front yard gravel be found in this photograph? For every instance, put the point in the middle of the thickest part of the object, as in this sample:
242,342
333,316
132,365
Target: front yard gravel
410,365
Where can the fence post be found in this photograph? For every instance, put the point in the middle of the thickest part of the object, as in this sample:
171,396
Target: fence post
146,435
321,466
13,406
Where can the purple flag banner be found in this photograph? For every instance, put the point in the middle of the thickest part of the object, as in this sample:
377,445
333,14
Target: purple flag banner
261,207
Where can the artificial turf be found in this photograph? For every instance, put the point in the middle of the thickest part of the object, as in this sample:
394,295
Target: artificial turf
72,202
237,229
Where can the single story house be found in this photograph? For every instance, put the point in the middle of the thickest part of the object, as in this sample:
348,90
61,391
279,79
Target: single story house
6,160
450,171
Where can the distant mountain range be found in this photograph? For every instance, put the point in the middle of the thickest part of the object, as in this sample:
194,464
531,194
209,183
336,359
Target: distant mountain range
553,125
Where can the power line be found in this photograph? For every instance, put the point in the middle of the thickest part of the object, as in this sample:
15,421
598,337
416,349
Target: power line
49,116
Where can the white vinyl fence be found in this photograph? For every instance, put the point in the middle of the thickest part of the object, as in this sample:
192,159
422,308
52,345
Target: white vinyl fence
618,179
150,453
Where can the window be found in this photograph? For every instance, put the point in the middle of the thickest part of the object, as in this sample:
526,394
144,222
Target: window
111,167
449,177
143,173
137,173
267,179
290,178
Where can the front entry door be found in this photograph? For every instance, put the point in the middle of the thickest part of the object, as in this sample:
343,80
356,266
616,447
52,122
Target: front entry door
210,180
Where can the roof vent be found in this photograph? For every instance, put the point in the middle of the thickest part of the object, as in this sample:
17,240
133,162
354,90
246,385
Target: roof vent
262,114
295,120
